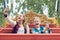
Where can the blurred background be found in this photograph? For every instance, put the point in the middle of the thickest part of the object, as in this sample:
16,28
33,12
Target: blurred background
51,8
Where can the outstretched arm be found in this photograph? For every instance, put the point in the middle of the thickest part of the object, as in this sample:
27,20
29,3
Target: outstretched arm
13,23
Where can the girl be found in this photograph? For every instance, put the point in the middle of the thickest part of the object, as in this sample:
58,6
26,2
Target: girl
18,25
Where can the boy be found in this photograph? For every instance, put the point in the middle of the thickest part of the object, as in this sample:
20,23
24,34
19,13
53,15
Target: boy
39,29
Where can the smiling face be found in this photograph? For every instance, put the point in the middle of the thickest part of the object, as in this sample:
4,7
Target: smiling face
36,22
20,18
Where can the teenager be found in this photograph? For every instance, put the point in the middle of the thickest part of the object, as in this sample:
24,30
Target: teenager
18,25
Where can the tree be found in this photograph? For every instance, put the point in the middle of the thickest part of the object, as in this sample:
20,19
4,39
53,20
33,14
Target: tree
1,13
36,5
26,5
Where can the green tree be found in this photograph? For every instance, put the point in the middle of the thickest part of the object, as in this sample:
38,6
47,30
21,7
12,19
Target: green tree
1,12
36,5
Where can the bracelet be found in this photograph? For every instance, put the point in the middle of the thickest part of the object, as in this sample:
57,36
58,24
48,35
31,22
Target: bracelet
5,15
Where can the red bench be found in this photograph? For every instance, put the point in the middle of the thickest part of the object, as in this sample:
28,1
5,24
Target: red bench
7,36
9,30
55,30
31,25
5,30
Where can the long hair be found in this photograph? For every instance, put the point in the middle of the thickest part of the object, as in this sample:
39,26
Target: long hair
16,27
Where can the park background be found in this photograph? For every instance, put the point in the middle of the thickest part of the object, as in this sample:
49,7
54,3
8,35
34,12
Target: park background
50,8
